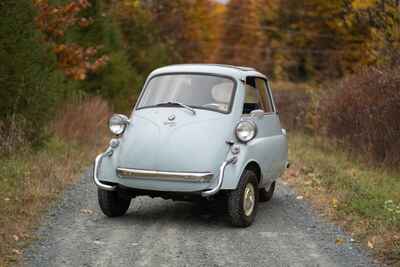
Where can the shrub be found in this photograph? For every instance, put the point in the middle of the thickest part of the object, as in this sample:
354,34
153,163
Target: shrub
292,101
363,110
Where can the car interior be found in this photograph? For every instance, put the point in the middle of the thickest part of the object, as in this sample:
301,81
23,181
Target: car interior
252,99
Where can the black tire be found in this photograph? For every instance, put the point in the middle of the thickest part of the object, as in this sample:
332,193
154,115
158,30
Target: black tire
266,195
112,204
236,200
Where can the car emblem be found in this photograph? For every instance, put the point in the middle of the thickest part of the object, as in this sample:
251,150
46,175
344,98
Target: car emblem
171,117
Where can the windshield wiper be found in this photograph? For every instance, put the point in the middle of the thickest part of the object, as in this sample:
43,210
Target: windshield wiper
179,104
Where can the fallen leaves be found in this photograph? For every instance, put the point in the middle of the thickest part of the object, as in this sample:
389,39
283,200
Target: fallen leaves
370,244
339,241
87,211
17,251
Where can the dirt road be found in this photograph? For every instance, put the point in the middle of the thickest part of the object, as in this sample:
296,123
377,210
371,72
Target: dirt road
157,232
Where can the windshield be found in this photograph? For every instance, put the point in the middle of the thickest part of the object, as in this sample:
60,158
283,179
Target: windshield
194,90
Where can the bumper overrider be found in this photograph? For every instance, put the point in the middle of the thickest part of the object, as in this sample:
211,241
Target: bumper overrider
193,177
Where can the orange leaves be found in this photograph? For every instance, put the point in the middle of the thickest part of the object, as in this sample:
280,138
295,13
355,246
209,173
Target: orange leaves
53,21
84,22
77,61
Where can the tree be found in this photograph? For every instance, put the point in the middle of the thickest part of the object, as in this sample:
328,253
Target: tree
317,39
241,40
54,20
189,27
29,84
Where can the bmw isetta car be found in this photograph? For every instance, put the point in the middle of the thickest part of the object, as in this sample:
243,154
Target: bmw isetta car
196,132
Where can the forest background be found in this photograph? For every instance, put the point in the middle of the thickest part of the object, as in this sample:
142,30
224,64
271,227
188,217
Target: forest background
334,65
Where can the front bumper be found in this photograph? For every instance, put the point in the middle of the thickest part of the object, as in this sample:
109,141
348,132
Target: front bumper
194,177
160,176
97,164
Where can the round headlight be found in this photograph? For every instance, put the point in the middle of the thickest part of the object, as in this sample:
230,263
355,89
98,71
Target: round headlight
118,124
246,130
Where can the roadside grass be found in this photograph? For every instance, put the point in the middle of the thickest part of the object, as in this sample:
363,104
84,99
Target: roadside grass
29,182
32,179
363,198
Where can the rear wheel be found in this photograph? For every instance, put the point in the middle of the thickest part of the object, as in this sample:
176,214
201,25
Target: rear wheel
112,204
266,195
242,202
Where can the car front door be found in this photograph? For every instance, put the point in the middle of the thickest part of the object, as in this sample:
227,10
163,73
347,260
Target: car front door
270,139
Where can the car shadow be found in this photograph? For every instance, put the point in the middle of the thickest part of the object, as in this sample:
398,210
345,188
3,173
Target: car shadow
212,213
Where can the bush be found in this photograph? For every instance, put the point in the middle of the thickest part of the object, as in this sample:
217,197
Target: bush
292,106
363,110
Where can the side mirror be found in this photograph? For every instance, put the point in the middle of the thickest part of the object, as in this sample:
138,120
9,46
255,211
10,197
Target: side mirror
258,113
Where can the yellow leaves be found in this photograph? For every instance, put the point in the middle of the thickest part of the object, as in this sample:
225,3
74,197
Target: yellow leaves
363,4
334,202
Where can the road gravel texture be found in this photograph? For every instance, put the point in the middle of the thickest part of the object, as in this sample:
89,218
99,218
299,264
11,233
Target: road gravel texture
158,232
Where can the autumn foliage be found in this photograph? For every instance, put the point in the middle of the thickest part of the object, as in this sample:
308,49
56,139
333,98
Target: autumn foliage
53,21
107,48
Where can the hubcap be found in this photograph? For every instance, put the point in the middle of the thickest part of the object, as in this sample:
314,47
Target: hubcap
249,199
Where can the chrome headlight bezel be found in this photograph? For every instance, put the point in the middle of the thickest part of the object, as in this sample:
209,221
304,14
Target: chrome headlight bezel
118,123
243,126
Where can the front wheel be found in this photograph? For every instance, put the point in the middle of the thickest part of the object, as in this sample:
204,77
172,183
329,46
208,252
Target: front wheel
112,204
242,202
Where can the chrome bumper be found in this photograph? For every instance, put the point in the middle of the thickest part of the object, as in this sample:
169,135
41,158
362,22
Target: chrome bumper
159,175
216,189
196,177
97,163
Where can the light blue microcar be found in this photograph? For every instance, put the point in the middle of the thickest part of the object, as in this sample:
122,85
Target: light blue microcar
197,132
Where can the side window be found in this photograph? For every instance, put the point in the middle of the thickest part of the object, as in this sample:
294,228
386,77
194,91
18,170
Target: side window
256,96
264,95
252,99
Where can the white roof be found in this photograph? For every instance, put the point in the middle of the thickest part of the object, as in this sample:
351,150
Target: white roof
228,70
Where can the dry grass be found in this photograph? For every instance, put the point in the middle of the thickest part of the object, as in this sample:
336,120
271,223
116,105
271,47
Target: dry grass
31,180
78,122
364,200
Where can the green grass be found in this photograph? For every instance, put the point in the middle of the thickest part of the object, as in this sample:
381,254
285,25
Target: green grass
368,196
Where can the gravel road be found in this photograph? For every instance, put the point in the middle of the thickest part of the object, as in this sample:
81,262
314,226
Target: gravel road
158,232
